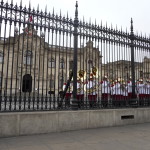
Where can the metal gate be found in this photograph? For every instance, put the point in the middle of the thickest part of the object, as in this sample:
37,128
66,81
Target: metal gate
51,62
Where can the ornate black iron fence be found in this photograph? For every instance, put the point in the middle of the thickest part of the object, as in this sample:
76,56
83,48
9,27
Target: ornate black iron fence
51,62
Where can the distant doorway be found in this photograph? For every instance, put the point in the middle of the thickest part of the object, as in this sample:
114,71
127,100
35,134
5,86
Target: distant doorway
27,83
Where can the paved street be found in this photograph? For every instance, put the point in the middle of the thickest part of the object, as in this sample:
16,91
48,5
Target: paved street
131,137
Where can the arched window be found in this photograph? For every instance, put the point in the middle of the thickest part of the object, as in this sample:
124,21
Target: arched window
51,63
62,64
28,58
1,57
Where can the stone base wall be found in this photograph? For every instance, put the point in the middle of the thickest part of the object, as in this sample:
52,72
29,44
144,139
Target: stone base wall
28,123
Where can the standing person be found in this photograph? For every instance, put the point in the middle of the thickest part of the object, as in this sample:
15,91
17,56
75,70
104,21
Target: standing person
80,92
68,94
129,87
105,91
141,90
148,91
125,93
119,93
91,90
112,92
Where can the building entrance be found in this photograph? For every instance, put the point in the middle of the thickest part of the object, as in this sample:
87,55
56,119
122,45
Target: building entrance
27,83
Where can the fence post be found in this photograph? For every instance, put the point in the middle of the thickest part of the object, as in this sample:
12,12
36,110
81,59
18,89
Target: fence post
132,38
76,23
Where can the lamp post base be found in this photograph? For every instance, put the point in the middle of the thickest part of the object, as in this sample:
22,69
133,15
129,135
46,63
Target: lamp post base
74,105
133,102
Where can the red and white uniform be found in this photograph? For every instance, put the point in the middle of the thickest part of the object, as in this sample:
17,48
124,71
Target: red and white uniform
125,92
105,89
147,94
69,91
141,90
91,89
112,91
148,90
80,90
118,91
129,87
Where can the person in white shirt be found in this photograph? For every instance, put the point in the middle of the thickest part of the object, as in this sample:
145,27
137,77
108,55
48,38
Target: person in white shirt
142,91
112,93
125,93
105,84
147,93
118,88
80,92
118,93
91,88
105,88
129,87
68,94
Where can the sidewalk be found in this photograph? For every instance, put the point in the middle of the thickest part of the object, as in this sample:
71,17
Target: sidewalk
131,137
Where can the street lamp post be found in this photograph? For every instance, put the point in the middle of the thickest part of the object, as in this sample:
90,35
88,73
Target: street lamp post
132,38
76,23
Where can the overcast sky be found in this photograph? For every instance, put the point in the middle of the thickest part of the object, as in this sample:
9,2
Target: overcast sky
117,12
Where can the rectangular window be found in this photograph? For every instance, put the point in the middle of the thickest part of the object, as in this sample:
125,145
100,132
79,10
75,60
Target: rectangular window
71,65
1,57
61,82
51,64
0,82
62,65
141,74
51,84
27,60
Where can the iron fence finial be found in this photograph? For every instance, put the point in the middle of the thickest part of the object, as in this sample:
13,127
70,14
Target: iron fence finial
131,25
46,9
111,26
2,2
38,8
67,15
76,11
29,4
60,14
83,19
20,3
53,12
106,25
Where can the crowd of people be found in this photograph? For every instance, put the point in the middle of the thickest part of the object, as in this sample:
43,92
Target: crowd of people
105,90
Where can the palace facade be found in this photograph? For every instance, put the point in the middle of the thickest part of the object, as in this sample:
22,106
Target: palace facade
30,65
